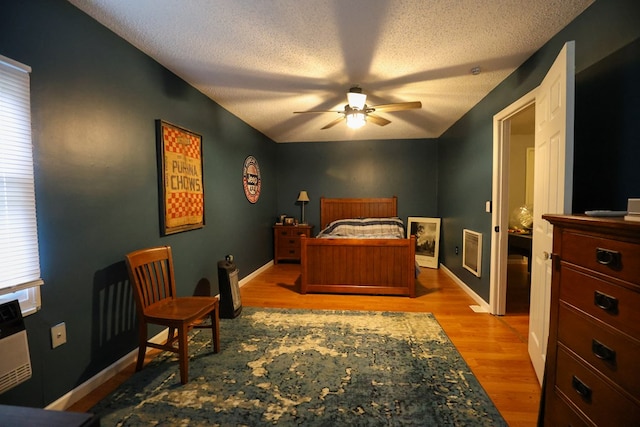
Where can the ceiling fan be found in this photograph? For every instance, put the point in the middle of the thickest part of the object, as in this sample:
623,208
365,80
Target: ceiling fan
357,113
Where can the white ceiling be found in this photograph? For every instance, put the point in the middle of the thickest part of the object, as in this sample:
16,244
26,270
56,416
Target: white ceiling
264,59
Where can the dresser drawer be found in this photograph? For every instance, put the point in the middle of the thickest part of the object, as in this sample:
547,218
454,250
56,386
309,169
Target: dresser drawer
600,402
288,250
289,231
292,231
613,354
560,414
287,241
613,304
613,257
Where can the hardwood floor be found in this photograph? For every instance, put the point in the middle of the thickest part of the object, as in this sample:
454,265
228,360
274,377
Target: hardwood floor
494,347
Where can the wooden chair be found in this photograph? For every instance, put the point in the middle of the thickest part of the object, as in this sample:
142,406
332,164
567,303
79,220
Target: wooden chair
151,271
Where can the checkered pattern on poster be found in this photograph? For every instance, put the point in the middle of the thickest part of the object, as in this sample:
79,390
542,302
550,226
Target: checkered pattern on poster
183,184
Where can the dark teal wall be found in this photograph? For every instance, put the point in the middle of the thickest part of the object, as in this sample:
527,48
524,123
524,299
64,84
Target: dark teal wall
404,168
94,102
606,159
95,99
465,151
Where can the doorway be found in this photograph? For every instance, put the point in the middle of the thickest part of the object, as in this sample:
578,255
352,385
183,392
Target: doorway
553,101
521,149
514,136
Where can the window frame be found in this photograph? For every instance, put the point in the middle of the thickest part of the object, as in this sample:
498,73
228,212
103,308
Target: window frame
27,292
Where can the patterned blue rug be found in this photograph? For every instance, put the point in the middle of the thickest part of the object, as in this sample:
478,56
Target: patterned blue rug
311,368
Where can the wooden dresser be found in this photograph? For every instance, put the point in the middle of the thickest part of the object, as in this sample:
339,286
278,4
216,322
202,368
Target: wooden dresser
592,372
286,241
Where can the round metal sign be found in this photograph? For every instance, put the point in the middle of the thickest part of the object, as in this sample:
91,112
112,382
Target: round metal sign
251,181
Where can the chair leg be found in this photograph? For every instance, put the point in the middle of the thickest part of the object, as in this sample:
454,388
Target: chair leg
183,353
215,329
170,334
142,345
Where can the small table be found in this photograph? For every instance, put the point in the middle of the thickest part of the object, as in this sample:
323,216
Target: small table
520,244
286,241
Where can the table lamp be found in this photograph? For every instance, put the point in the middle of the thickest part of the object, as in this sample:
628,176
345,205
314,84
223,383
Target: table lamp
303,198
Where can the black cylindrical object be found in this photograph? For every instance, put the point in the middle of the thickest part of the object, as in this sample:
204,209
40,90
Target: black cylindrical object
230,303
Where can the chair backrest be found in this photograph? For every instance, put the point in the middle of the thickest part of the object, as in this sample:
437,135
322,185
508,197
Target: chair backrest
151,271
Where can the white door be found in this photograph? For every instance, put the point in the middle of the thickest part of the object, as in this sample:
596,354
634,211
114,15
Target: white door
552,188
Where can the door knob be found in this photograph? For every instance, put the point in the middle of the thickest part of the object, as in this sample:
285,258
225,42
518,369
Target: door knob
546,255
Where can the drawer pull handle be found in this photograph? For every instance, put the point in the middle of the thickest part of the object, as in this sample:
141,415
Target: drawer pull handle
603,352
581,388
605,302
608,257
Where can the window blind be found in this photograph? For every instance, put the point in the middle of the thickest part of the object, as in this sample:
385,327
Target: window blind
19,258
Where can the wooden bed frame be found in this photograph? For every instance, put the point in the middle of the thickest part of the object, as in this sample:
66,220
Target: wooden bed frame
358,266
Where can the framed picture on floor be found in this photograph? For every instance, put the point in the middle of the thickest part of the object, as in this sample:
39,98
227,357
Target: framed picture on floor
427,232
181,179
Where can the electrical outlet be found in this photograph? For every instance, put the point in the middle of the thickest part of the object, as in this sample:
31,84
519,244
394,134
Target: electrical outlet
457,250
58,335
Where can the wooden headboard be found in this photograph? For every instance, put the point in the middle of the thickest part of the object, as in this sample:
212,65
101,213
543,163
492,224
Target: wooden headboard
333,209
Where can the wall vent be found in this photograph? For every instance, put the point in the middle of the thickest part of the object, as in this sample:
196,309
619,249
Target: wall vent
472,251
15,363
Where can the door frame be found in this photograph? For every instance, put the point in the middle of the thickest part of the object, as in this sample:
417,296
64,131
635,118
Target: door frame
500,198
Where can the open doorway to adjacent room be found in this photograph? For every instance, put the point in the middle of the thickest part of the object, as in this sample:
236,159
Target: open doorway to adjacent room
521,150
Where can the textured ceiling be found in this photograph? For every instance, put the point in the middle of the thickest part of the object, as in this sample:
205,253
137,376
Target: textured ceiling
264,59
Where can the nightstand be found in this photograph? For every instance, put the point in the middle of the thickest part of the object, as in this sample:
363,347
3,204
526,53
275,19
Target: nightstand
286,241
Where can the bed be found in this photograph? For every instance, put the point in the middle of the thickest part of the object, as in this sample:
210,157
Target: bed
345,265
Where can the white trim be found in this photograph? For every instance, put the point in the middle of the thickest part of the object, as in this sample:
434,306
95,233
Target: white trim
101,377
15,64
255,273
22,286
477,298
119,365
500,215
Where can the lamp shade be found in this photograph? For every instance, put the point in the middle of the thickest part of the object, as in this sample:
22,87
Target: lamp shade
356,100
303,196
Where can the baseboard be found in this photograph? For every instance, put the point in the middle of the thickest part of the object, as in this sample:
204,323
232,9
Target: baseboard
101,377
110,371
477,298
253,275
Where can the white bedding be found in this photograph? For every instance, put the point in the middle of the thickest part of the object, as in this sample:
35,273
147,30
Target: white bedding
364,228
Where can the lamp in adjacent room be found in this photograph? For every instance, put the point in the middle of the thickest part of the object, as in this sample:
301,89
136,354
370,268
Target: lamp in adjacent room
303,198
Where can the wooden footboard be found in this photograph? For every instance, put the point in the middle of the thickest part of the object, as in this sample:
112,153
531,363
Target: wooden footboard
358,266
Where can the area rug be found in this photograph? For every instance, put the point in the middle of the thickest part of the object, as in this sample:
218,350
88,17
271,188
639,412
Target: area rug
311,368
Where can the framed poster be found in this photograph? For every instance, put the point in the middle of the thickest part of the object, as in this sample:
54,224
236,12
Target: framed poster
427,232
181,179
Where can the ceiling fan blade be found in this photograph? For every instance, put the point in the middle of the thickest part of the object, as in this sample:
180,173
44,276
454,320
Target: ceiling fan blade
397,107
377,120
318,111
333,123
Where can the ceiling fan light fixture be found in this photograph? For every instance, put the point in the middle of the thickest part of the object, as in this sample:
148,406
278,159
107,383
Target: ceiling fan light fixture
355,119
356,99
